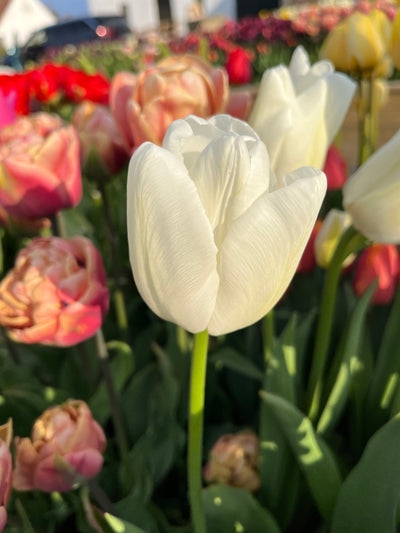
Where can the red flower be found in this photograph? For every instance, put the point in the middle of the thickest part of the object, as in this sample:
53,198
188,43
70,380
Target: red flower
379,261
308,261
335,169
239,67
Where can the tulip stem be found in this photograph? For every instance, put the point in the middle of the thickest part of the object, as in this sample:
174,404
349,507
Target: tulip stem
118,295
367,123
351,241
195,438
117,417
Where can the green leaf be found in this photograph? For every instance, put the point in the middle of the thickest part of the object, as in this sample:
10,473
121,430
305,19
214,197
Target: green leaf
235,361
385,379
369,498
234,510
347,352
312,453
120,526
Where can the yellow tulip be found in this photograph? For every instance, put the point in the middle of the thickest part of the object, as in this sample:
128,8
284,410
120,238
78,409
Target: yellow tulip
360,43
395,43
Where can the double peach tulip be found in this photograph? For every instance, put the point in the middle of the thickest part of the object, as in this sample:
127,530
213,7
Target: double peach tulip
39,166
144,105
56,293
66,443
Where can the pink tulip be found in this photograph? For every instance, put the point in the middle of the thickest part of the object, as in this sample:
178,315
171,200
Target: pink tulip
99,137
6,471
56,293
7,108
39,166
66,442
144,105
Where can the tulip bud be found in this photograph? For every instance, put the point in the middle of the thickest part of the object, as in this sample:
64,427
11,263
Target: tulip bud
359,43
66,443
381,262
238,66
233,461
56,294
372,194
6,470
39,166
100,139
331,230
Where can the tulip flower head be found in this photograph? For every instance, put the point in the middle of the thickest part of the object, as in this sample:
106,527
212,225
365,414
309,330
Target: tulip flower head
299,110
372,194
214,238
100,139
334,225
381,262
6,470
233,460
56,294
39,166
66,441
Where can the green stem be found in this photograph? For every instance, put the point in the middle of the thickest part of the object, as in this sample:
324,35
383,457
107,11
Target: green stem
367,123
351,241
268,332
116,411
195,438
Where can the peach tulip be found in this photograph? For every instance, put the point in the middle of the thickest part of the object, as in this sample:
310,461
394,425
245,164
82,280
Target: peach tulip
56,293
6,470
100,138
144,105
66,443
39,166
233,460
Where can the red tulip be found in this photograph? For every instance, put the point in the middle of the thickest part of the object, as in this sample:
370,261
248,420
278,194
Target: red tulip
381,262
56,293
308,261
238,67
335,168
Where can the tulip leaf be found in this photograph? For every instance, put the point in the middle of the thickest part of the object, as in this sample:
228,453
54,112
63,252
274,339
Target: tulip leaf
312,453
121,369
276,460
385,378
120,526
348,350
235,510
235,361
370,496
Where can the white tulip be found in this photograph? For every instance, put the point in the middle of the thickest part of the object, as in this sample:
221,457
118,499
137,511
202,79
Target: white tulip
299,110
334,225
372,194
214,240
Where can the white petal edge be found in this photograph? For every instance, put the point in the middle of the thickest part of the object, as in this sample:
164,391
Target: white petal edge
171,246
262,250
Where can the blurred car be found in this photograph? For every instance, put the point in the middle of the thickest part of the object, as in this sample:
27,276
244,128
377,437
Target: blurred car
77,31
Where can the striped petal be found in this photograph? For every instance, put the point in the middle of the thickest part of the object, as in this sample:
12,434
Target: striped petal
171,245
262,250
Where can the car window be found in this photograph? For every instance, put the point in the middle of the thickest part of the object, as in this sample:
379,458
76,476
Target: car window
69,33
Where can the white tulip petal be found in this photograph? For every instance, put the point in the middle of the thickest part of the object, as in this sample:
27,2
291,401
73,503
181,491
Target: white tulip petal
377,215
172,251
261,252
340,92
303,74
381,169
